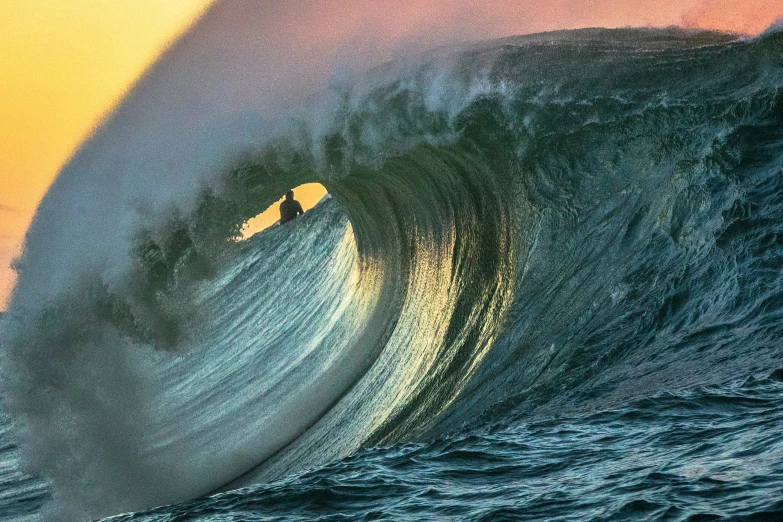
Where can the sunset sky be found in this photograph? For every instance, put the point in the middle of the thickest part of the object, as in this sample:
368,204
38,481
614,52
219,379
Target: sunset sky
66,63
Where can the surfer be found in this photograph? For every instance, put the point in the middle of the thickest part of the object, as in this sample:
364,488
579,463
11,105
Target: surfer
289,208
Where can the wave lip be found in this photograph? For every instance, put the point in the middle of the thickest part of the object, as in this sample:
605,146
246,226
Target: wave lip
775,28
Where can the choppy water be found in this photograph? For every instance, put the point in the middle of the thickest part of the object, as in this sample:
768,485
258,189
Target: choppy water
547,287
709,453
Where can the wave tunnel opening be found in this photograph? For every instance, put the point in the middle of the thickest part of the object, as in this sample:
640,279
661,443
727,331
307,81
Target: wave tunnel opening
309,195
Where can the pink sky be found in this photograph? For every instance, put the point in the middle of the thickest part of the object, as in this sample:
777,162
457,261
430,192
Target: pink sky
440,21
746,16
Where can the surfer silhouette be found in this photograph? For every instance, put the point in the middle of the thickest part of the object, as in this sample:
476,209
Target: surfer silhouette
289,208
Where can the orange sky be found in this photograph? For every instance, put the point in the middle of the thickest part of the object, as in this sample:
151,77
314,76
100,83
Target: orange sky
66,63
308,195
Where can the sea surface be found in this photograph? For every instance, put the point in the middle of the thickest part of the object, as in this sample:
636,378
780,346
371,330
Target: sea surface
546,286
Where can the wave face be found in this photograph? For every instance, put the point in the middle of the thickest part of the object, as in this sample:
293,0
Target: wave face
555,224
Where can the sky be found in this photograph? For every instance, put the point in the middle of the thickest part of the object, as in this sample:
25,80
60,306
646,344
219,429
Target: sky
65,64
308,195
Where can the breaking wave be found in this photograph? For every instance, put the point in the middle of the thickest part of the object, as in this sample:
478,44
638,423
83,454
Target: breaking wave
557,222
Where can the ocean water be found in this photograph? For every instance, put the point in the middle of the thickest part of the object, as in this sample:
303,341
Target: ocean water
547,286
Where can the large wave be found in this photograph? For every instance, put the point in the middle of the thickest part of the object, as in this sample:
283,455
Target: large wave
553,222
